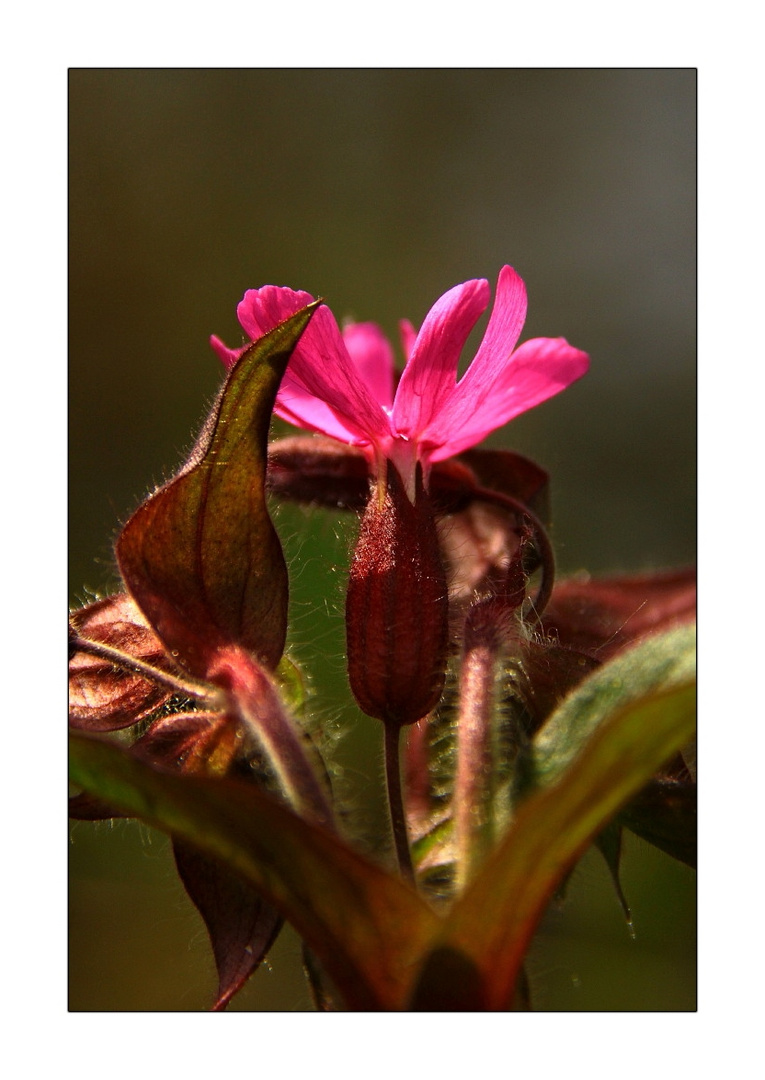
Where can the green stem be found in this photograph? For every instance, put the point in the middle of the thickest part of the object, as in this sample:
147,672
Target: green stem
474,781
396,800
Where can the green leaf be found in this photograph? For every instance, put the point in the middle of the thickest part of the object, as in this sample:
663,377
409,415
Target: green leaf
602,746
368,928
658,663
201,556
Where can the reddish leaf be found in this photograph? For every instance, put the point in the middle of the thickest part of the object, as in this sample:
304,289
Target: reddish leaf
195,742
601,617
492,923
103,697
241,924
596,752
201,556
368,928
184,741
550,672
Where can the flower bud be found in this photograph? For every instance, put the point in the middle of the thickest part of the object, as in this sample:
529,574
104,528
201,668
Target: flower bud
397,606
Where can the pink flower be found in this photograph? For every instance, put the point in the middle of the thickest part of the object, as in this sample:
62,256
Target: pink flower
342,385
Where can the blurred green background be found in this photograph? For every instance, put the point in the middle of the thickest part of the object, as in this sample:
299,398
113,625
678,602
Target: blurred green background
379,190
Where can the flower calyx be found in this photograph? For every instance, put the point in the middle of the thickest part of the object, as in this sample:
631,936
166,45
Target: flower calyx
397,606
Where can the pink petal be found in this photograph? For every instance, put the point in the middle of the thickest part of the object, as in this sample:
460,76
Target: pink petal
320,365
227,356
431,371
505,324
372,354
293,404
302,409
260,310
408,337
538,370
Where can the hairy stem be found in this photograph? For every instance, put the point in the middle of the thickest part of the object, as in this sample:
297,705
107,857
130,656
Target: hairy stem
474,786
258,704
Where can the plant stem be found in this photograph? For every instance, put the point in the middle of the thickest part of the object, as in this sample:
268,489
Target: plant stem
256,700
473,788
396,800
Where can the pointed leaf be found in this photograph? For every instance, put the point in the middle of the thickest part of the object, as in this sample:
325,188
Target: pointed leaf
241,924
664,814
367,927
609,844
609,742
201,556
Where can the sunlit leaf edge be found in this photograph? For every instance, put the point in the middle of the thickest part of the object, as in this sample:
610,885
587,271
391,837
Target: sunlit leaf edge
367,926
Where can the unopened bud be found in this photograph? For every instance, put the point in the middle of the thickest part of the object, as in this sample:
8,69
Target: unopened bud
397,607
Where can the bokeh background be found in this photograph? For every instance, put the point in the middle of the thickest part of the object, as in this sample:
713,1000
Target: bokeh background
380,189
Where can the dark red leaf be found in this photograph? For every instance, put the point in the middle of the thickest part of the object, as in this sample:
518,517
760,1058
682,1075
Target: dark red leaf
103,697
550,672
201,556
194,742
241,924
602,616
664,814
